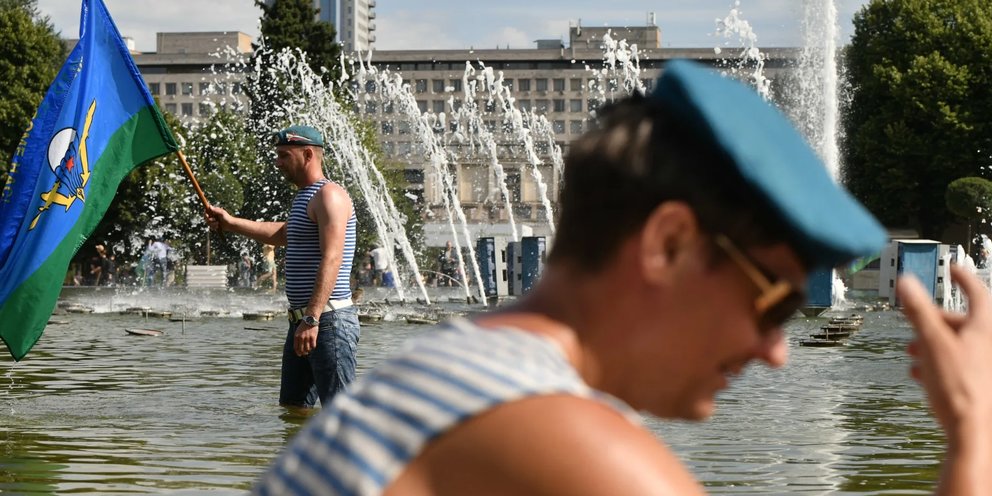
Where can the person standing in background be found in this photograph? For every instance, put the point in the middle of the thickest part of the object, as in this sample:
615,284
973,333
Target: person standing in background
268,266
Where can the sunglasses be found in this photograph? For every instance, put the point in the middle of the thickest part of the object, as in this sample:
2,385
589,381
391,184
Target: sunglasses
779,299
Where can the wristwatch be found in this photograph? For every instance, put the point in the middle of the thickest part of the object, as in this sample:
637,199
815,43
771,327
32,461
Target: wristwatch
310,320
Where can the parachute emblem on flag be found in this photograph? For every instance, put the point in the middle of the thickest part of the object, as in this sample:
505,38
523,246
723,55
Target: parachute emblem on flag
64,151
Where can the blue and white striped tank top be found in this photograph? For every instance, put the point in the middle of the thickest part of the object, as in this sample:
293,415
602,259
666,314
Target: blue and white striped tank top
364,440
303,251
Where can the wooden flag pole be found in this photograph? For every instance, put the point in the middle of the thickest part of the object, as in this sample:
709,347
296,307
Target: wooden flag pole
203,198
189,173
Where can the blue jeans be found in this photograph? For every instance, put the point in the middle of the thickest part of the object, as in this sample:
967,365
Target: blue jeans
328,368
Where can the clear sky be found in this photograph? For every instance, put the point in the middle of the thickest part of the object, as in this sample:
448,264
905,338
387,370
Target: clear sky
441,24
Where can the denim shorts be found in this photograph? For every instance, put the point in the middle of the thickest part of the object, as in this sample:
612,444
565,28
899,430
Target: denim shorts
329,368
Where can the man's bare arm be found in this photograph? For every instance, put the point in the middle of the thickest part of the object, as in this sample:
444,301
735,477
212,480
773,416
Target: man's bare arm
273,233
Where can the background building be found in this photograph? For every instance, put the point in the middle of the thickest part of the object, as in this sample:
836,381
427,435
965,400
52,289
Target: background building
560,82
187,72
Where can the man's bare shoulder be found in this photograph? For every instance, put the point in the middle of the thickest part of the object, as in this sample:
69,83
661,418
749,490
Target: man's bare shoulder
555,444
331,199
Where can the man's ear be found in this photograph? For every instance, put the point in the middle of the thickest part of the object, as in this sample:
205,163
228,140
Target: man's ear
668,232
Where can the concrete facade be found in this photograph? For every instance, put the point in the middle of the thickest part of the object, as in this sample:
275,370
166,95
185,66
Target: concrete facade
561,83
187,75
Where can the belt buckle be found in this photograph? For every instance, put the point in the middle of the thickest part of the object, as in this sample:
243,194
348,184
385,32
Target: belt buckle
295,315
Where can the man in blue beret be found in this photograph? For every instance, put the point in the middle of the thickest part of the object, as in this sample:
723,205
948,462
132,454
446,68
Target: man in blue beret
688,223
318,357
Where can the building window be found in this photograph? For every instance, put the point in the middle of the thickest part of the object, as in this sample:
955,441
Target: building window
524,105
524,84
575,84
170,108
594,104
438,106
575,127
387,127
403,127
575,105
455,84
559,127
559,84
542,106
170,88
235,88
206,108
421,86
542,84
204,88
438,85
187,89
559,105
370,86
422,106
508,83
370,107
187,108
153,88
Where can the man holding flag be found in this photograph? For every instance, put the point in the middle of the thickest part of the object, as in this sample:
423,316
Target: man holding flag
95,125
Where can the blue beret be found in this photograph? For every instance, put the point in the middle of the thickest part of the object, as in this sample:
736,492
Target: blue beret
298,135
829,226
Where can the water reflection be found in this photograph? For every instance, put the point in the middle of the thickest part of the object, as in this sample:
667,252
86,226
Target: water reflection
93,410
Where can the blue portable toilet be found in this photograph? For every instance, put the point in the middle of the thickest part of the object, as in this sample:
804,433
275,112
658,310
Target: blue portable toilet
533,253
919,257
819,292
491,255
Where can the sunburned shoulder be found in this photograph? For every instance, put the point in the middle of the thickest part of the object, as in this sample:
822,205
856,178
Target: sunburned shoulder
331,197
557,444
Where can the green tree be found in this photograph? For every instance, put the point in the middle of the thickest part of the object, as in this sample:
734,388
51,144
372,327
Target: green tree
921,108
294,24
971,199
31,56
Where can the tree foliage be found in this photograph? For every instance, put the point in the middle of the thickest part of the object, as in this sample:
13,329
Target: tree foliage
921,108
294,24
31,56
969,198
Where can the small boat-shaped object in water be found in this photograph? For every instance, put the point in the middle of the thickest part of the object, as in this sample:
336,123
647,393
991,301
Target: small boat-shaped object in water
144,332
159,313
368,318
259,316
831,335
420,320
821,343
136,310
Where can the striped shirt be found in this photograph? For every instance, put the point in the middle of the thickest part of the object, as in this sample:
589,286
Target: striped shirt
303,251
363,441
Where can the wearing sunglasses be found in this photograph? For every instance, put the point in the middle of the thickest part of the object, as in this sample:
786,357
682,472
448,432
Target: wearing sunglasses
779,299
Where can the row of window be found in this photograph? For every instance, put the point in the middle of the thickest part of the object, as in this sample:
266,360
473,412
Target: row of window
540,106
187,88
440,86
403,148
186,109
575,127
565,64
